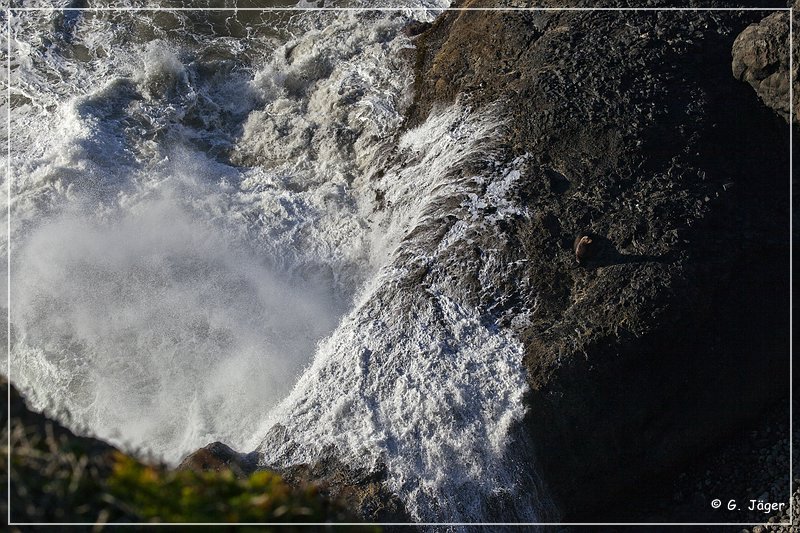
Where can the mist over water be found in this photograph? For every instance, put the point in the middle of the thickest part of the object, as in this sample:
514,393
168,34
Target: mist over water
172,333
214,222
163,296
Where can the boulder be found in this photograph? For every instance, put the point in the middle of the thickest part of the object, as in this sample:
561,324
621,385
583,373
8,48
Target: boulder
761,58
218,456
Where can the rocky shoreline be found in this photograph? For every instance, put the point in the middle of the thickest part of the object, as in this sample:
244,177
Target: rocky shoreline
640,134
659,355
657,369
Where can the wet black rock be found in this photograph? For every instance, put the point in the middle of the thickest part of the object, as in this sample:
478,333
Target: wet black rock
629,127
415,27
632,128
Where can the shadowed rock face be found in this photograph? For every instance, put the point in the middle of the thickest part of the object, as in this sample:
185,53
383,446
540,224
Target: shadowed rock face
761,58
675,333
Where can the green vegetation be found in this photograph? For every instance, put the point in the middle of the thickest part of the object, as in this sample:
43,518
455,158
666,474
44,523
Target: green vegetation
185,495
59,477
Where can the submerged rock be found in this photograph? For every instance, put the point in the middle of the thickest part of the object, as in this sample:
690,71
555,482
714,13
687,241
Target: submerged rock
415,27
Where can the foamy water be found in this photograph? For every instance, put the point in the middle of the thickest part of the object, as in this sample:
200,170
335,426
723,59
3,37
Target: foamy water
215,227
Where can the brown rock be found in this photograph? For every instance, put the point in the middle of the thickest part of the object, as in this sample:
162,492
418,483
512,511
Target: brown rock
218,456
584,249
362,491
761,58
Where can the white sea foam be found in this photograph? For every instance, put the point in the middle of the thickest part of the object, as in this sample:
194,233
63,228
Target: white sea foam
160,331
218,239
412,379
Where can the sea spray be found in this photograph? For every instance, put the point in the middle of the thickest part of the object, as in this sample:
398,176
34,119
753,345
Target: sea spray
164,332
413,380
201,219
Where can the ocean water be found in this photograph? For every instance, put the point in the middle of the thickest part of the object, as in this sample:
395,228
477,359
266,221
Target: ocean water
215,219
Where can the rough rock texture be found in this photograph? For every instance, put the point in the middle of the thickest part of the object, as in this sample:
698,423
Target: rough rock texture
674,335
751,465
363,491
761,58
217,457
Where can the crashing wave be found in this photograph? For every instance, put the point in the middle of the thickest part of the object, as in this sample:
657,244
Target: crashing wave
214,237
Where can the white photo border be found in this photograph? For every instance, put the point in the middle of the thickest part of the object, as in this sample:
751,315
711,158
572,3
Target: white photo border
9,13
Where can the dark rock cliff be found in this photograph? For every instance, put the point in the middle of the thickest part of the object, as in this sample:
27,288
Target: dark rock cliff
675,334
